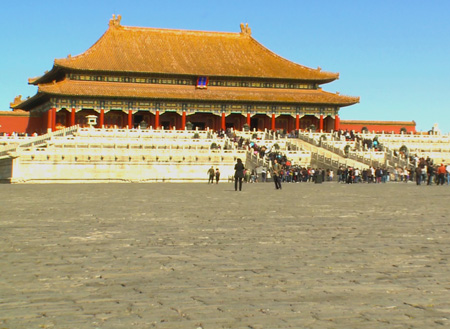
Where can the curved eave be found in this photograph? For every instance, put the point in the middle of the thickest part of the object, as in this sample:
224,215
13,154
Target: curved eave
31,102
61,68
49,76
61,65
190,93
32,81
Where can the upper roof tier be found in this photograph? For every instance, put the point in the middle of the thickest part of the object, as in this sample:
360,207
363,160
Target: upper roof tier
182,52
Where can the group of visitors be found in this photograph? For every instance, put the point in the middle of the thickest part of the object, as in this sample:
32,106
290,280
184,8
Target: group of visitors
362,143
298,174
427,172
213,175
348,135
352,175
281,170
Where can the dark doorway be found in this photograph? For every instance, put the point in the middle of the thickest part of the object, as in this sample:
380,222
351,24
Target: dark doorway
254,123
198,125
165,125
137,120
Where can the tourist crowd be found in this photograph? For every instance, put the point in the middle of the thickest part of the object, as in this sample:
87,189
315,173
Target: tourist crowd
425,173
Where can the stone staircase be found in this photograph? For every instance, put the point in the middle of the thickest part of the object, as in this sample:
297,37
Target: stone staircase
330,153
102,155
326,159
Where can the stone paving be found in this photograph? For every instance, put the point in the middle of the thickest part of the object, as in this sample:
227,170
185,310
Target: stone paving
204,256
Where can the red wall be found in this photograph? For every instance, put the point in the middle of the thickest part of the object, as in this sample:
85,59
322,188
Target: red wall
378,126
20,122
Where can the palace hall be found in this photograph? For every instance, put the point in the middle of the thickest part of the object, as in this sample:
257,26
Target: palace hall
176,79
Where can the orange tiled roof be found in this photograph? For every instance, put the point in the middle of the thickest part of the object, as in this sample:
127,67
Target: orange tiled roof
190,93
182,52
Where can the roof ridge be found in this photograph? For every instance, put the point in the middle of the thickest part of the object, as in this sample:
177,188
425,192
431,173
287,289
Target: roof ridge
179,31
115,23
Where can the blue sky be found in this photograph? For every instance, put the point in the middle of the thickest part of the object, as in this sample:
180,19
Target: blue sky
394,54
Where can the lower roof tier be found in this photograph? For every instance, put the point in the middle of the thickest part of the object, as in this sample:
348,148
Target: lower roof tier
74,88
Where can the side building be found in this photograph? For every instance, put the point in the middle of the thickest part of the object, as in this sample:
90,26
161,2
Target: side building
163,78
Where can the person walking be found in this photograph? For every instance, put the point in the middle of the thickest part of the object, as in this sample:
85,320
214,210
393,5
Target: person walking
418,172
217,175
263,174
238,174
276,174
441,171
211,175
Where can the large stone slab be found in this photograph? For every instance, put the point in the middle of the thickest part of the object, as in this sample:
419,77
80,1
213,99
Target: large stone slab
204,256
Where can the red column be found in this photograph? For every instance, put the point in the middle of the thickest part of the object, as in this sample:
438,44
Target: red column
102,118
297,122
72,117
223,125
130,118
53,119
157,119
321,123
248,119
183,120
336,122
273,121
49,120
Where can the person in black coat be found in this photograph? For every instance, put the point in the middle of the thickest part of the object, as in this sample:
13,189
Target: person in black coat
276,174
238,174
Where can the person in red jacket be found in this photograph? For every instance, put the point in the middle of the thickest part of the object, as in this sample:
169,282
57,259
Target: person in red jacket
441,171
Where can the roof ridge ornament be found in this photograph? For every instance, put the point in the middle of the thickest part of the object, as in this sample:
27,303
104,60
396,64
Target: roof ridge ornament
17,100
115,21
245,29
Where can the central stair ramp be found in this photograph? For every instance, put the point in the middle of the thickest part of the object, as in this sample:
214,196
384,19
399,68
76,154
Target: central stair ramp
325,156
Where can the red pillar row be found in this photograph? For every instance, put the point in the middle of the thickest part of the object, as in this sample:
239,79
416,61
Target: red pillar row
219,123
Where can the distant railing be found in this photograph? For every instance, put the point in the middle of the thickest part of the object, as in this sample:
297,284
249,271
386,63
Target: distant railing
144,133
78,142
38,140
59,154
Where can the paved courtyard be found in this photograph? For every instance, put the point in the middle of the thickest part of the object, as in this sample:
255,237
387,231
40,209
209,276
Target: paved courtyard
204,256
